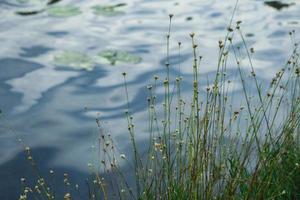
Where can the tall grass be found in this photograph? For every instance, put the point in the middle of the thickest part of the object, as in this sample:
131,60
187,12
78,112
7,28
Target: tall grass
209,146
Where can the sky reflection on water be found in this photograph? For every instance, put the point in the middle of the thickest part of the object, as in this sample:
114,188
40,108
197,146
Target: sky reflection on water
45,105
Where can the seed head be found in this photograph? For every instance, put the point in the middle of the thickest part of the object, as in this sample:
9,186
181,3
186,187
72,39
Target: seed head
229,29
67,196
221,44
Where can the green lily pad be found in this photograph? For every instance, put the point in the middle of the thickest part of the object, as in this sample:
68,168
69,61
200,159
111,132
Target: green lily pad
75,60
29,7
23,1
34,2
50,2
30,12
110,10
34,7
114,56
63,11
29,2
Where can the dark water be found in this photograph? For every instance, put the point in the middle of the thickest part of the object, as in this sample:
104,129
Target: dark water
53,109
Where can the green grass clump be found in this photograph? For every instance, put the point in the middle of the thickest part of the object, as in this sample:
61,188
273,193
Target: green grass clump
210,147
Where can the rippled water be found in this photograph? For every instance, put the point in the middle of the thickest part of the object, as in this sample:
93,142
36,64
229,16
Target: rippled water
53,109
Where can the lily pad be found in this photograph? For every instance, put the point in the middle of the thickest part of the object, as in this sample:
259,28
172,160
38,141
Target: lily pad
75,60
109,10
27,13
114,56
63,11
29,2
34,6
50,2
24,1
278,5
29,7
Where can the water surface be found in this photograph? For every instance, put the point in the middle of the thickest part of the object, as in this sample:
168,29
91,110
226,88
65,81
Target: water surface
52,108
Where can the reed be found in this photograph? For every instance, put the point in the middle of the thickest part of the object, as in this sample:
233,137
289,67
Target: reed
206,147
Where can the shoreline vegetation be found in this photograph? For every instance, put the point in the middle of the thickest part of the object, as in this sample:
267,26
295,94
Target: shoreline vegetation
203,147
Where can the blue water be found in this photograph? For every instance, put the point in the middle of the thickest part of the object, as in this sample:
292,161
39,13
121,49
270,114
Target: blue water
53,109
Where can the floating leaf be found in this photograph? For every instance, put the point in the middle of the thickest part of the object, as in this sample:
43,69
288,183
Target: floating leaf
29,7
120,5
29,2
75,60
63,11
27,13
108,10
113,56
278,5
50,2
23,1
34,2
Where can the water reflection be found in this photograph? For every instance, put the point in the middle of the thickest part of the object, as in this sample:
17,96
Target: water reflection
34,51
45,104
44,157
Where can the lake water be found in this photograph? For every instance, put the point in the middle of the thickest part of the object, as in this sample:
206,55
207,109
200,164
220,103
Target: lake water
51,103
